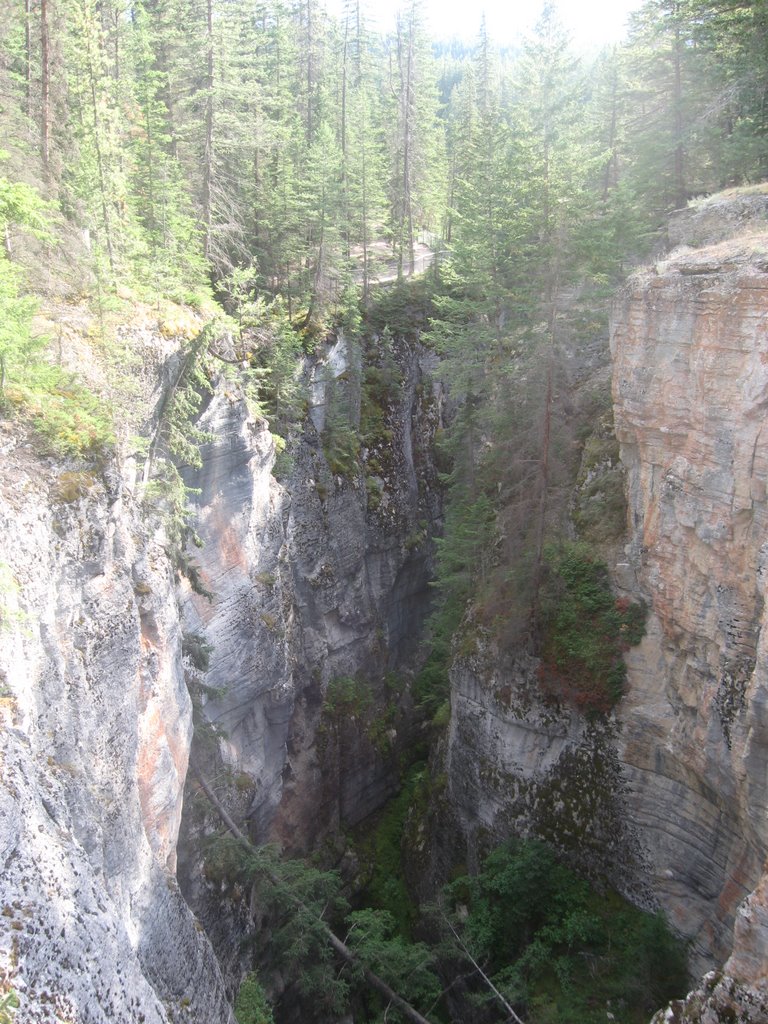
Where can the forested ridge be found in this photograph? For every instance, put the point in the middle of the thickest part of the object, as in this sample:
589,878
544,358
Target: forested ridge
267,177
265,164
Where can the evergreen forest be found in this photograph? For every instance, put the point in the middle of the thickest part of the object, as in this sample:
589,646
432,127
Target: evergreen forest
266,176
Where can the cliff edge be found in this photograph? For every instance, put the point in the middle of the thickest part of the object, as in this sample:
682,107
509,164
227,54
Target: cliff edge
690,383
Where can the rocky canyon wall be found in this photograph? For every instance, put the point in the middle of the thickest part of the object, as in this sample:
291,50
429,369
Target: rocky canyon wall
690,348
107,655
319,588
94,744
667,796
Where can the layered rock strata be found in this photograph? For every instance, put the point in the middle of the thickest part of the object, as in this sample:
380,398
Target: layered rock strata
667,797
94,742
690,349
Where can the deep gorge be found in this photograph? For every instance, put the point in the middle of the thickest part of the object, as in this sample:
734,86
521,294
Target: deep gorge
382,503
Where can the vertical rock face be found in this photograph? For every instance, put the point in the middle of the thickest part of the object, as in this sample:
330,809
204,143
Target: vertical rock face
319,579
94,743
690,348
667,797
517,764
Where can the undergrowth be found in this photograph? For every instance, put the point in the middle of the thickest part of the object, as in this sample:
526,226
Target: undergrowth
586,630
559,950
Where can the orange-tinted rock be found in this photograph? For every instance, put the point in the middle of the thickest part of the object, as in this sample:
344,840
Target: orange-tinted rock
690,349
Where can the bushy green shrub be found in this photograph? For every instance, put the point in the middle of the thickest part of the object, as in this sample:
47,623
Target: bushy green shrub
585,630
252,1005
346,697
558,949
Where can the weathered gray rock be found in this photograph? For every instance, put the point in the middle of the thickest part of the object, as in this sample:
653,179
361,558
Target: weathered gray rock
518,765
690,381
719,218
94,741
314,579
720,999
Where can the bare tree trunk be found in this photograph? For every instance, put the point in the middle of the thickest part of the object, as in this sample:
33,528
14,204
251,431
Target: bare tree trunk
407,146
339,947
610,167
208,139
92,59
28,57
366,272
543,502
45,79
310,75
679,158
545,458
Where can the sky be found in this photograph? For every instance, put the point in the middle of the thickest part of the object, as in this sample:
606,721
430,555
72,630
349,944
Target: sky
591,23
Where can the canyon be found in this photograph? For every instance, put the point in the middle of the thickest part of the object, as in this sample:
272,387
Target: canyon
315,577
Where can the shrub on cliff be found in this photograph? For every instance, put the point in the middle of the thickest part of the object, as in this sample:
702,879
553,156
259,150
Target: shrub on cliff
558,950
252,1005
585,630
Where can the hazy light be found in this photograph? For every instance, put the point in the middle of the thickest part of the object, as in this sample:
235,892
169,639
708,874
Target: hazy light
590,23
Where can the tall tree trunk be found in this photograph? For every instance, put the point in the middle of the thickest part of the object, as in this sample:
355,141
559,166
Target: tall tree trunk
310,75
610,167
364,187
91,67
45,80
679,154
28,57
208,137
545,458
407,155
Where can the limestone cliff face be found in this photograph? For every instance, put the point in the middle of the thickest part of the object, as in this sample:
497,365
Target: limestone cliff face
94,742
318,578
668,796
690,349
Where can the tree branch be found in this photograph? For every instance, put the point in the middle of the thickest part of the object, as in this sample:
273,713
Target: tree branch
512,1015
338,946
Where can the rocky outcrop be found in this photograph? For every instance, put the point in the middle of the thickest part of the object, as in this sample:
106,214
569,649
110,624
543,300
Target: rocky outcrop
94,742
690,384
519,765
319,588
667,797
320,578
719,218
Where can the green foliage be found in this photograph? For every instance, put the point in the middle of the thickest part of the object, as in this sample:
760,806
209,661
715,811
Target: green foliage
272,349
600,510
585,630
382,379
403,309
67,415
9,1004
177,443
341,439
560,951
197,649
341,444
381,852
347,697
431,687
252,1005
297,899
462,565
408,967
